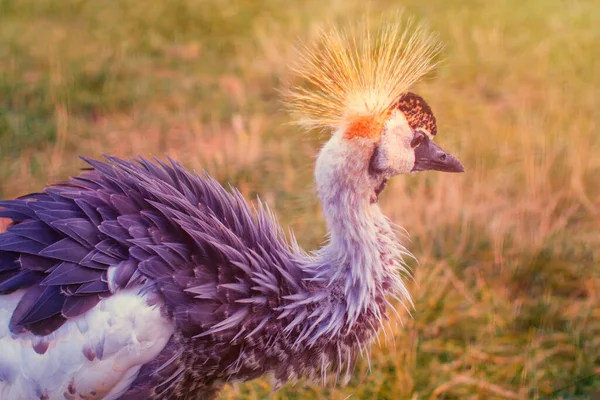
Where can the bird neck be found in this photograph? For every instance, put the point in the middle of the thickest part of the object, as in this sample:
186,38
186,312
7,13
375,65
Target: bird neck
360,237
363,256
352,222
363,259
345,187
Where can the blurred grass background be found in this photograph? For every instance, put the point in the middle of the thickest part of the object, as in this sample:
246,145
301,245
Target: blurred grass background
508,287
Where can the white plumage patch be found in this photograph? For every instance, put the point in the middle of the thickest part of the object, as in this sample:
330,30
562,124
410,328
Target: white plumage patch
94,356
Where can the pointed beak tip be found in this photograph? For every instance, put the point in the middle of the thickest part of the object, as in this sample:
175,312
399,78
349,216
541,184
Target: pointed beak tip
454,165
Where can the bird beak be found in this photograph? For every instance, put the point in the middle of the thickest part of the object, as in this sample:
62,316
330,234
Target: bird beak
430,156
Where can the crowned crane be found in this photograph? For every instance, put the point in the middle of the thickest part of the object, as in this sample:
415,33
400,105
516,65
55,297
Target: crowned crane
141,280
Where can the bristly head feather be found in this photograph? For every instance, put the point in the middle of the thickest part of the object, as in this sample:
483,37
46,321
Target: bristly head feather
352,78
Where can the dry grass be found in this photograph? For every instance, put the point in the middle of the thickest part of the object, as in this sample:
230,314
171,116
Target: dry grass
508,287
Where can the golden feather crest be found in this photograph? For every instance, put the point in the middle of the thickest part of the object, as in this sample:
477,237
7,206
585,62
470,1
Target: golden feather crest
352,77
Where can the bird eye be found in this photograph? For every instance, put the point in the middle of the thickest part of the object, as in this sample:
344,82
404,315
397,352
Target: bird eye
417,139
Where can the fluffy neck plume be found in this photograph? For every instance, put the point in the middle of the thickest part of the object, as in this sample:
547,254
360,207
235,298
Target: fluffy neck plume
354,76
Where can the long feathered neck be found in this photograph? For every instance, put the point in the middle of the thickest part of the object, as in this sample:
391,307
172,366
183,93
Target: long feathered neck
363,256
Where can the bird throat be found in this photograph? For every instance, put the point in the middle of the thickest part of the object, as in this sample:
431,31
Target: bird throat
378,190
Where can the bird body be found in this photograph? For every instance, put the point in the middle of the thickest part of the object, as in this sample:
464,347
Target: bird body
170,264
139,279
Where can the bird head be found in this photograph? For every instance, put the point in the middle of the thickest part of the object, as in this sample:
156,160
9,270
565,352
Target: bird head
354,83
405,143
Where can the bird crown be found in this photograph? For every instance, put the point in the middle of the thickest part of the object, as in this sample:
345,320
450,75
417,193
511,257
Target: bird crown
352,78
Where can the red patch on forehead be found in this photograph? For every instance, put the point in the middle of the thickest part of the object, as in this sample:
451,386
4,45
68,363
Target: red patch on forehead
368,127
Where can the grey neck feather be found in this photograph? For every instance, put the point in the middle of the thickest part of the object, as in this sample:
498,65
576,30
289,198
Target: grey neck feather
363,257
348,280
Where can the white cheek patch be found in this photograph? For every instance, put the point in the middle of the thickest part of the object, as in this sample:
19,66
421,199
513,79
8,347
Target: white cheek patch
395,153
389,150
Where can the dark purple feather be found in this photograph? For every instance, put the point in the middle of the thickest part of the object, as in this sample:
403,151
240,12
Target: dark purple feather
49,216
76,305
139,254
78,229
69,273
169,256
107,213
104,258
47,325
37,231
15,243
96,286
112,248
123,205
123,273
114,230
90,211
12,214
18,206
21,279
154,267
66,250
88,261
37,263
49,303
8,261
53,205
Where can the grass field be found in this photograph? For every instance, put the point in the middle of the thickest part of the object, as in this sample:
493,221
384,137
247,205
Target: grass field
508,287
